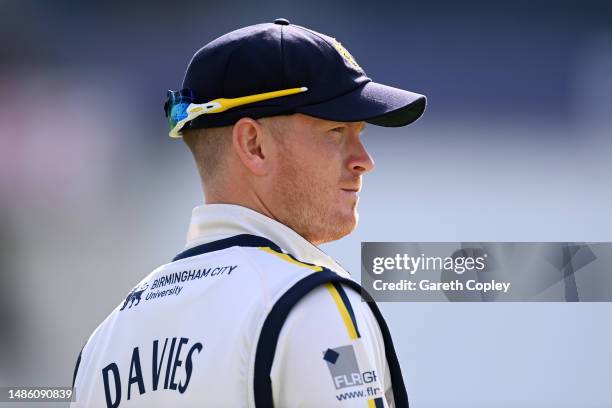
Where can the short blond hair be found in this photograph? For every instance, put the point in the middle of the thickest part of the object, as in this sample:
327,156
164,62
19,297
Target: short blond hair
211,146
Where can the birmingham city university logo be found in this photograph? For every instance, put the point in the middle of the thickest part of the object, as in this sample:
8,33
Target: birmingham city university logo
134,296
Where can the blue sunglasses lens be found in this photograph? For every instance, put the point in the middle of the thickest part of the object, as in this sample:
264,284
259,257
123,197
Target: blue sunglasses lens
176,106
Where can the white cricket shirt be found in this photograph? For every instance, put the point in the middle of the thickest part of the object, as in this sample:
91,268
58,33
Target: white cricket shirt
249,315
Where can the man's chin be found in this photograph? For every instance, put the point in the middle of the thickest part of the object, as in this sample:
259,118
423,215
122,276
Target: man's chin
334,231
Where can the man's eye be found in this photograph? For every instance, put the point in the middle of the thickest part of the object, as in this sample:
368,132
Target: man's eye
338,129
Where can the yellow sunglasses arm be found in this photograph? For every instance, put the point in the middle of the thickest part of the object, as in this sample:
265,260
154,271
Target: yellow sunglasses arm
228,103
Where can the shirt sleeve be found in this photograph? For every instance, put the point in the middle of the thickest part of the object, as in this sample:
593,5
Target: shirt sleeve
330,352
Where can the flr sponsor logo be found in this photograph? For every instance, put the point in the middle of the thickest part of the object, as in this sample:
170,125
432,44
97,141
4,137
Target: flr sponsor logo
344,370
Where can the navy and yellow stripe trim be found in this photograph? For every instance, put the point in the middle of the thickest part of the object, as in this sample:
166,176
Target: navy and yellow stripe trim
376,403
289,258
335,290
242,240
346,310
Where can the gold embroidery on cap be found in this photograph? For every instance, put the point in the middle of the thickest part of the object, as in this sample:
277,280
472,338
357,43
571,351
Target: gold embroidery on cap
345,54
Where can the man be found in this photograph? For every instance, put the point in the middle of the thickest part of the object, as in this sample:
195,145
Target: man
253,313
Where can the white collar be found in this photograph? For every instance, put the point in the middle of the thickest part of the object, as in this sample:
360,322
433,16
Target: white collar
212,222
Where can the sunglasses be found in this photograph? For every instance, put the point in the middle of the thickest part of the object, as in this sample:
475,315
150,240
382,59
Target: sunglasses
180,107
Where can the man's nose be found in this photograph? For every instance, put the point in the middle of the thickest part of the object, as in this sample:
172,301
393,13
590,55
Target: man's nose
360,160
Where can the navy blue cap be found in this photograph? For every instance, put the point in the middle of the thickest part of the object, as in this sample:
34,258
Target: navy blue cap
273,56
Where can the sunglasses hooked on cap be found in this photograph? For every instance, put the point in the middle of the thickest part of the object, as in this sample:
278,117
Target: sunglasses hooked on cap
180,107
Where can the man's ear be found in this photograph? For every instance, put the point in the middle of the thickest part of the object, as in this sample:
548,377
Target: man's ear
247,140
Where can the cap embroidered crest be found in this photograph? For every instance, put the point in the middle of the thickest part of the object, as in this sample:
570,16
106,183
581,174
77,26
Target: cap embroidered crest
345,54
